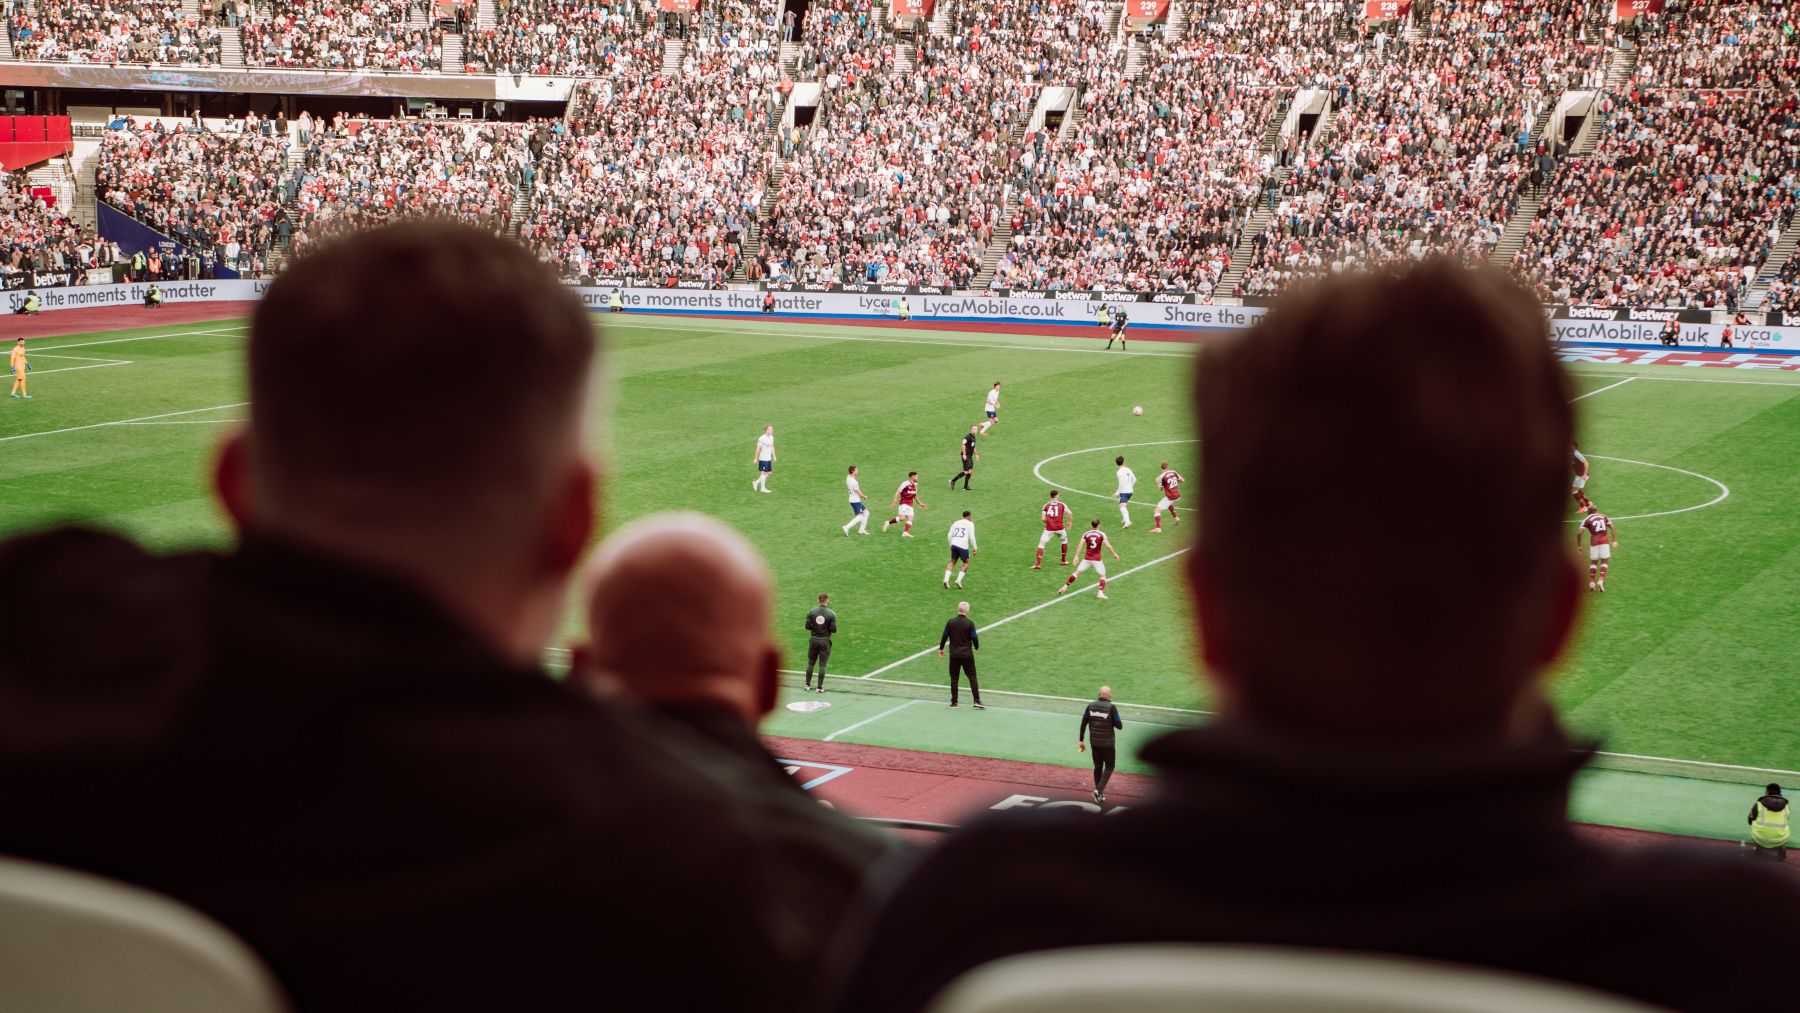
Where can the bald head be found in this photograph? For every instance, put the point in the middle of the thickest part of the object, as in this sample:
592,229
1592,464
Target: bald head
678,613
1106,692
962,608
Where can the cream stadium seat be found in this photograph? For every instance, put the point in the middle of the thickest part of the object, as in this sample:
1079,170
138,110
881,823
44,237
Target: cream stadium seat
1251,979
75,943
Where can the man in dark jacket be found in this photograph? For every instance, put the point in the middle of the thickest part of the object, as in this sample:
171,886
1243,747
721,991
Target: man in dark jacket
336,737
963,640
1402,730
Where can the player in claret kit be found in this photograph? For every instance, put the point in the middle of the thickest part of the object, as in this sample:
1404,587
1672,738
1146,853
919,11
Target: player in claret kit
1582,503
1092,541
1056,524
905,498
1170,480
1602,539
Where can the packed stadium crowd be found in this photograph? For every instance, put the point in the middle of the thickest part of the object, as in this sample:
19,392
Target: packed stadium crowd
659,177
1681,200
335,35
924,144
37,236
111,31
580,37
363,172
211,190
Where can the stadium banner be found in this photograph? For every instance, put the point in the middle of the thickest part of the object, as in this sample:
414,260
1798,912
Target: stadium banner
1629,9
679,6
1629,314
104,77
1386,10
134,236
87,297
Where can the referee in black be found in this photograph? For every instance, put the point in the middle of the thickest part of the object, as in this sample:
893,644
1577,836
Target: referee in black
969,457
821,623
964,641
1098,722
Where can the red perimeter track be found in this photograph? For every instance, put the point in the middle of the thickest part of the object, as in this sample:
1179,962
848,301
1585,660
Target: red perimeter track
942,788
118,318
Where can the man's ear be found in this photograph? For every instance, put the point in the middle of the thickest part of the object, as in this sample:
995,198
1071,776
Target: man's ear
231,480
570,522
768,681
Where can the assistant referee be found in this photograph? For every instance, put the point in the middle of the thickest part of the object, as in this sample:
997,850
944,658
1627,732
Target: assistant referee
821,623
1098,722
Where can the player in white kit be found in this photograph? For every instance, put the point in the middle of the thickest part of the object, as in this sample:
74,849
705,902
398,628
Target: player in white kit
765,459
1127,482
992,408
962,547
859,511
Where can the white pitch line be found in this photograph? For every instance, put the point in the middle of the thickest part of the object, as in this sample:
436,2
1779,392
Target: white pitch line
715,326
1068,596
1692,379
1724,490
73,358
146,337
70,369
185,422
869,721
121,422
1037,469
1602,390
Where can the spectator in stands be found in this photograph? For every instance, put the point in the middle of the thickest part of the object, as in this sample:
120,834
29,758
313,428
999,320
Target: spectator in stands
375,35
1406,735
41,244
113,31
336,737
216,191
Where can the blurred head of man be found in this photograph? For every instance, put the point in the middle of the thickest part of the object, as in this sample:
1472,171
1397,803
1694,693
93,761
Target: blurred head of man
1382,552
678,616
419,404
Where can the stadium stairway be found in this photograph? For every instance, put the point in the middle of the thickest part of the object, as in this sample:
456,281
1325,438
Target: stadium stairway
997,246
519,213
1513,239
942,17
673,50
1259,216
450,57
6,49
1176,28
753,241
231,46
1137,56
1115,21
485,15
906,54
789,59
1779,256
1594,32
1621,67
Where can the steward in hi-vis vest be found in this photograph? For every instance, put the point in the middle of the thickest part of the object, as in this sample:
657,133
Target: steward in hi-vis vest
1769,819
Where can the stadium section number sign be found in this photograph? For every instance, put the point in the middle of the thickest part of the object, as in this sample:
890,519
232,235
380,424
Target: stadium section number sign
1386,10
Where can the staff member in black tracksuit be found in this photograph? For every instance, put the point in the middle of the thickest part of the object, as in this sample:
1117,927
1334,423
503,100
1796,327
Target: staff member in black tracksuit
964,641
821,623
1098,721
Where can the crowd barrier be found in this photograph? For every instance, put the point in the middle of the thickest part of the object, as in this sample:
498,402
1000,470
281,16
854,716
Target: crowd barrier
1568,325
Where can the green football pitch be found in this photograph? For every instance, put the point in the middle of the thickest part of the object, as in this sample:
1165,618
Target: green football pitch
1686,669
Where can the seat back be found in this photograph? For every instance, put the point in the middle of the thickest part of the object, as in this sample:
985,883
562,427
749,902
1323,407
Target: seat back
1252,979
75,943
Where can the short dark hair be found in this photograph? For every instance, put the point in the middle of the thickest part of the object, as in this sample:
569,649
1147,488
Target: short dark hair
370,364
1119,460
912,474
852,468
1773,789
822,598
1053,493
1437,378
1094,523
965,513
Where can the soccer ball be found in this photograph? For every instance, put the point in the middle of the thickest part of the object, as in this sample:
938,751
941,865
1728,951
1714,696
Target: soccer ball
1138,410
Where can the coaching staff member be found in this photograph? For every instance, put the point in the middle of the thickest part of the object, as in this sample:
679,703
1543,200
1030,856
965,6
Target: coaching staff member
1098,721
821,623
336,736
964,640
1411,723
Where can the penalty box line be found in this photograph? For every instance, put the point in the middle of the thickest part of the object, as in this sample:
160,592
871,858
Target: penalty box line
1066,596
